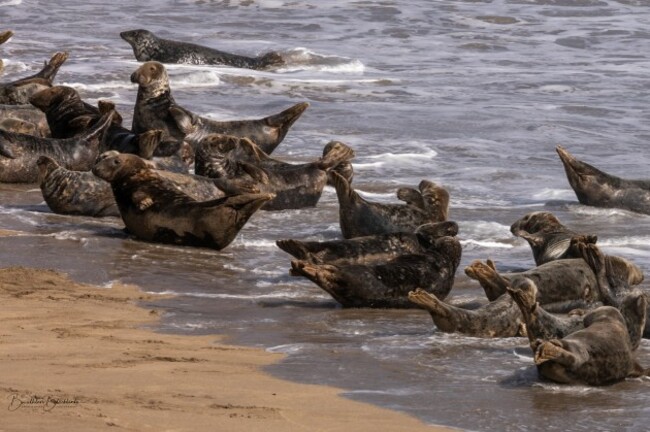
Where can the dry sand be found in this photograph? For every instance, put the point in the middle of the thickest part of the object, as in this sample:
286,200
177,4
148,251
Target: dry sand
78,358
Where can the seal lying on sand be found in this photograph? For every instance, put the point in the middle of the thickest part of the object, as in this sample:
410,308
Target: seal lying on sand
29,114
18,92
19,152
387,284
294,186
499,318
267,132
153,209
147,46
599,354
599,189
359,217
369,249
4,37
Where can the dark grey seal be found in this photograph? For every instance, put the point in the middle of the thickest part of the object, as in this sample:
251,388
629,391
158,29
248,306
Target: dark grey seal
147,46
387,284
153,209
294,185
18,92
267,132
594,187
19,152
360,217
369,249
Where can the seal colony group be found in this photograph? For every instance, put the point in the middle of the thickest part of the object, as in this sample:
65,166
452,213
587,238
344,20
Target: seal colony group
579,308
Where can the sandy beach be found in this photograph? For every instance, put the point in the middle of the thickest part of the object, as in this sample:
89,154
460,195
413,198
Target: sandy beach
78,357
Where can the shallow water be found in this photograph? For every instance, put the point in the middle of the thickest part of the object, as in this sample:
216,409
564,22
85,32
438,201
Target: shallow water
474,95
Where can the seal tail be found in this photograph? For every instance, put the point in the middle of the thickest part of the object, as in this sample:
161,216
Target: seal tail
270,59
323,275
334,154
5,36
185,120
51,68
294,248
285,119
148,143
486,274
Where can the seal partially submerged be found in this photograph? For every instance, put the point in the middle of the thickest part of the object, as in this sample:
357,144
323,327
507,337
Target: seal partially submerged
294,185
153,209
387,284
19,152
18,92
147,46
594,187
360,217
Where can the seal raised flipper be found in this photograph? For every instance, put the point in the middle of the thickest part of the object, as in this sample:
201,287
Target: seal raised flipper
435,200
5,36
410,196
499,318
18,92
486,274
335,153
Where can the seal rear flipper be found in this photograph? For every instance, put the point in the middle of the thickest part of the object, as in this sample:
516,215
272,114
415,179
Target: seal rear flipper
324,275
282,122
435,200
256,173
492,282
148,142
294,248
344,192
524,292
50,69
410,196
439,311
552,350
576,170
5,36
335,153
185,120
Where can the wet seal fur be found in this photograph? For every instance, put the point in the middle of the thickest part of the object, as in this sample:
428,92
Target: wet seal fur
147,46
153,209
387,284
267,132
18,92
294,185
29,114
369,249
19,152
360,217
594,187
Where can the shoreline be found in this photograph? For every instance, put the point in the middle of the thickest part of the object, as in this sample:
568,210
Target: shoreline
78,357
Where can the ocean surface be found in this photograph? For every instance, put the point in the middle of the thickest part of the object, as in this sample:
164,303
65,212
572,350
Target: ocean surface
474,95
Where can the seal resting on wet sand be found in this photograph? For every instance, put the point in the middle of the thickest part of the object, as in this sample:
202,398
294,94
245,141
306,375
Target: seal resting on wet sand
19,152
294,185
147,46
369,249
360,217
594,187
387,284
18,92
153,209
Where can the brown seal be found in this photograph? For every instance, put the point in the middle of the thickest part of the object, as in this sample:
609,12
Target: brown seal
294,185
11,124
594,187
18,92
147,46
19,152
153,209
387,284
360,217
29,114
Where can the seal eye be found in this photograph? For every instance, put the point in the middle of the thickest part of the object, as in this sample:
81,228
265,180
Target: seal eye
116,162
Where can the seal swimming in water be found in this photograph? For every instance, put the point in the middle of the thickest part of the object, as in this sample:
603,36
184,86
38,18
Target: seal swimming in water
594,187
153,209
29,114
19,152
599,354
267,132
147,46
4,37
369,249
294,185
387,284
359,217
18,92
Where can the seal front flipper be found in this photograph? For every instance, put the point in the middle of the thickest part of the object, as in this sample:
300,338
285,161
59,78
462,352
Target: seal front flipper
186,121
142,200
148,143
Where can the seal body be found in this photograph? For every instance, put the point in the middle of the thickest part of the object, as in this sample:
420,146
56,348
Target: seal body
594,187
18,92
29,114
294,185
20,152
267,132
387,284
153,209
360,217
147,46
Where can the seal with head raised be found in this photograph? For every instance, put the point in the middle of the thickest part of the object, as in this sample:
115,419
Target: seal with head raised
18,92
294,185
153,209
19,152
387,284
360,217
147,46
369,249
267,132
594,187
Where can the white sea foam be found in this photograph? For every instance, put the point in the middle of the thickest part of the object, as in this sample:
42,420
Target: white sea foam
486,244
555,194
11,3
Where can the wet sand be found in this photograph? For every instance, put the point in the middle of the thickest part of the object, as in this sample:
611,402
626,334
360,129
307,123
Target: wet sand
79,357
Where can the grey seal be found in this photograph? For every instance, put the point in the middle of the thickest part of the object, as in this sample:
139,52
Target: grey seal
29,114
18,92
